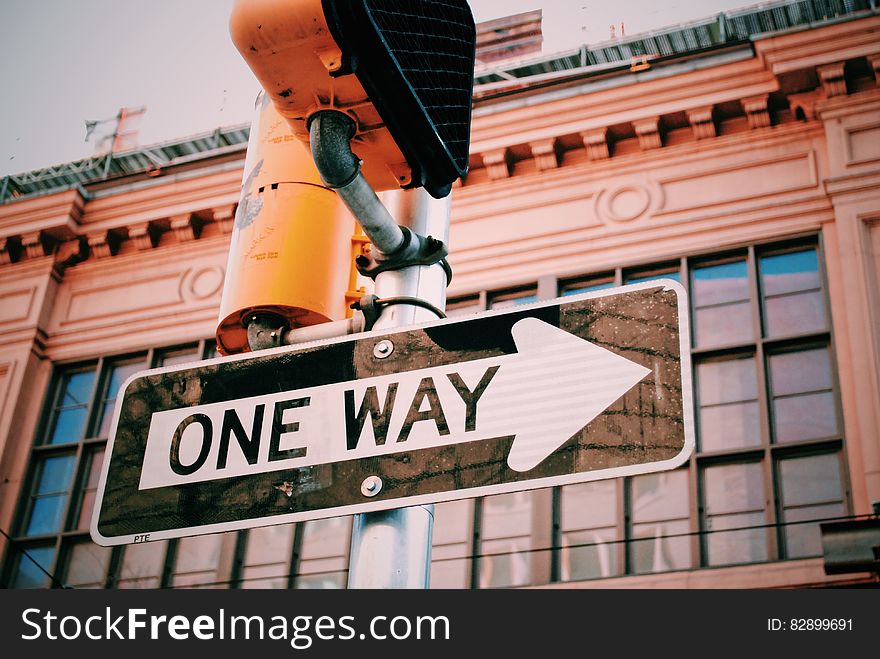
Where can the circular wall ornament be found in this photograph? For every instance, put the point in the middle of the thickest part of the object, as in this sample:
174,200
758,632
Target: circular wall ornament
202,283
624,203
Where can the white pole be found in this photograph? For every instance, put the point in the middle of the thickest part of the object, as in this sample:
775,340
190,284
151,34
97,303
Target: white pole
392,549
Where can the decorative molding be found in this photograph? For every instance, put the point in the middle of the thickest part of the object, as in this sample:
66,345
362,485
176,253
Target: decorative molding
9,249
99,246
805,102
185,227
544,153
702,122
224,217
596,143
648,132
141,235
71,252
757,110
832,78
33,245
497,164
874,63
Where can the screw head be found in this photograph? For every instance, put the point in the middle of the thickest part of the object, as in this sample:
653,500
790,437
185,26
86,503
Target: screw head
382,349
371,486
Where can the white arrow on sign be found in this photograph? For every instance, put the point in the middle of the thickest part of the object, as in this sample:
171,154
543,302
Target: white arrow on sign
554,385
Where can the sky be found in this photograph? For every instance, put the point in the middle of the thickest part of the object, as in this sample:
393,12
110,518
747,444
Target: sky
63,62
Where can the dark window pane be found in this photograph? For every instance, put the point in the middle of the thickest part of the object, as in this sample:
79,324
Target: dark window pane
723,325
787,273
77,389
68,425
55,474
27,574
46,514
120,373
50,495
718,284
87,502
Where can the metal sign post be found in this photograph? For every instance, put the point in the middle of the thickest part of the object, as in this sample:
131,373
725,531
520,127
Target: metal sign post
392,549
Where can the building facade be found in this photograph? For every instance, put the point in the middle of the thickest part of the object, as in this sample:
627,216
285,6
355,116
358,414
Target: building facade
739,155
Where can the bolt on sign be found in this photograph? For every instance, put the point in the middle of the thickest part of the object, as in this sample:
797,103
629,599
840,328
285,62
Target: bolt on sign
580,388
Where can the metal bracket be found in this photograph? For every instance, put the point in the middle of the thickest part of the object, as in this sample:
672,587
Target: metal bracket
265,330
415,250
371,306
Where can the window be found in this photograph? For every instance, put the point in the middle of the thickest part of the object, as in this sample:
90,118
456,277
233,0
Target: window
588,531
509,299
734,514
323,559
792,293
453,530
56,508
767,421
660,522
722,309
506,533
268,556
587,285
768,466
727,404
811,490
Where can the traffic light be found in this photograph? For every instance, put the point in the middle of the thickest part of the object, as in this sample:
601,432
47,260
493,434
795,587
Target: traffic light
402,70
293,240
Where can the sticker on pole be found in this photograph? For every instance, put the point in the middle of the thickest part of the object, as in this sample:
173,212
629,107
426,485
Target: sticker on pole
575,389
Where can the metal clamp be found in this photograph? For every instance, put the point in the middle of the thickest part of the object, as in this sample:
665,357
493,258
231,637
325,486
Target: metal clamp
415,250
371,306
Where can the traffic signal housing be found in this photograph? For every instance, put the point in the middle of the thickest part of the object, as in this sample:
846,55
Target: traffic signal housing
401,69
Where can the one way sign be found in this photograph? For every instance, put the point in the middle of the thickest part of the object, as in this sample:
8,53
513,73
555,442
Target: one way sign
575,389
